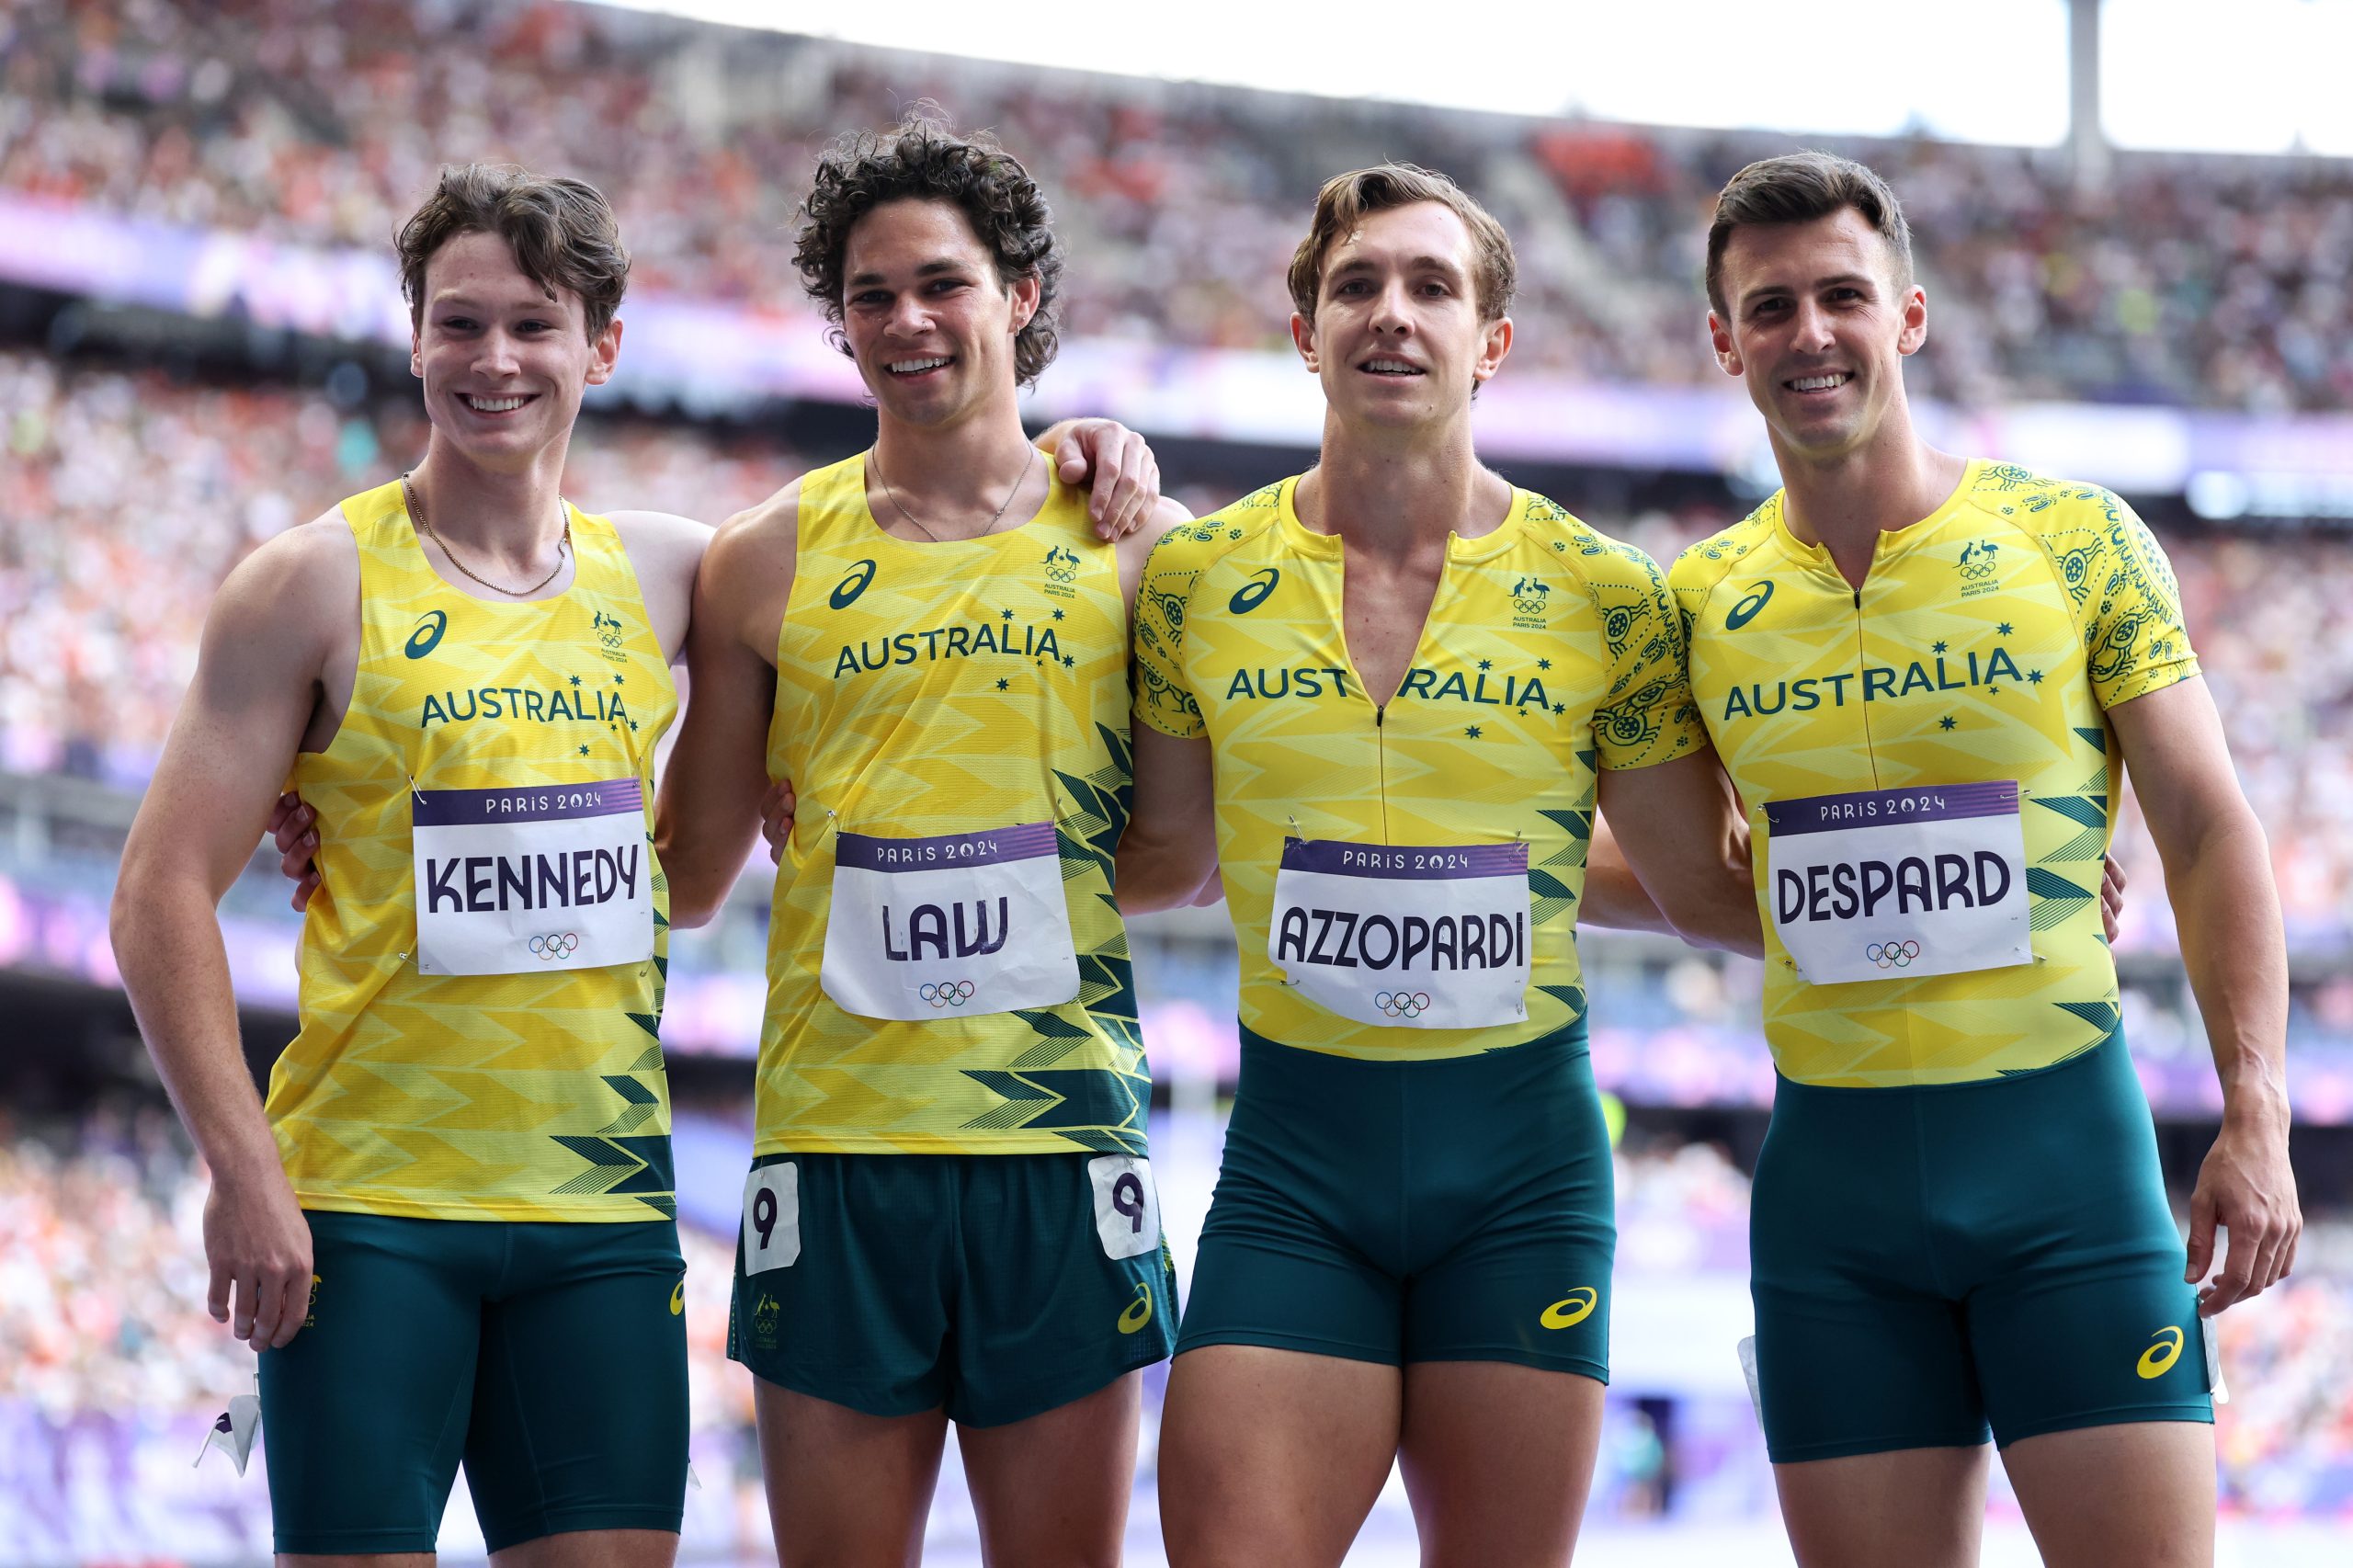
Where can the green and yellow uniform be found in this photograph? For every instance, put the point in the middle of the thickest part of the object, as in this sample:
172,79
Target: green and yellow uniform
1964,685
423,1090
931,696
1549,653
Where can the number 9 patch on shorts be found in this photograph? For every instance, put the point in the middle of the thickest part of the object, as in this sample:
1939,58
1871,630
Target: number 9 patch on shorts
1127,1207
772,1217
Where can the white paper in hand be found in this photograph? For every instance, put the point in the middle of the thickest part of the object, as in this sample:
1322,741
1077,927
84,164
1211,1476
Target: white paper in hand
234,1433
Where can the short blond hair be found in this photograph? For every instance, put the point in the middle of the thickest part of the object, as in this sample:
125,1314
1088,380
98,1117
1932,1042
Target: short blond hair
1347,200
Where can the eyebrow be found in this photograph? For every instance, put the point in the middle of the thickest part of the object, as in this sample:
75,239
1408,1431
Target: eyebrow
1834,278
928,269
1418,264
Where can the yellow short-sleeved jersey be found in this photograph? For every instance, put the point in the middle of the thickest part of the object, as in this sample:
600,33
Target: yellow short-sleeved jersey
1549,651
1986,645
951,689
536,1095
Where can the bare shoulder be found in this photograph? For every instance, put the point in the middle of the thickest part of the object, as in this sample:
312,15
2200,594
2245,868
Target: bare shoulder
305,578
775,521
1167,513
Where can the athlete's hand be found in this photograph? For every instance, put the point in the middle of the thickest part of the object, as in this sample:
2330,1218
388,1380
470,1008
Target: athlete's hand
776,818
1127,476
293,828
259,1245
2246,1187
2112,898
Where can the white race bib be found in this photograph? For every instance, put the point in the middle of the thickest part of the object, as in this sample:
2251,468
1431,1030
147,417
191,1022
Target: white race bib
1885,885
522,882
949,928
1423,937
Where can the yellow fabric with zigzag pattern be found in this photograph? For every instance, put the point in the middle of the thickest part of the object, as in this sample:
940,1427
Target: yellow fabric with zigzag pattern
1550,652
1986,644
937,688
508,1096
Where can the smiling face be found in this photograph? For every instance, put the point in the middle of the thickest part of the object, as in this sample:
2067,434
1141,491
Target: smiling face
503,365
927,318
1819,329
1397,338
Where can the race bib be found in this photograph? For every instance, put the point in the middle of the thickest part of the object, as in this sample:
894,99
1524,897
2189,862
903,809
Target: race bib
1421,936
522,882
1891,883
952,926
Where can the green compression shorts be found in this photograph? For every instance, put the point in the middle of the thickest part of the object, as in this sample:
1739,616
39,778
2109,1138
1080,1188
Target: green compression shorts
996,1287
1929,1263
552,1357
1456,1210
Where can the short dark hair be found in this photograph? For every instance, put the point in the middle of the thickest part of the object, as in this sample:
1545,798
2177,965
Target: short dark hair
923,158
1347,200
562,231
1800,188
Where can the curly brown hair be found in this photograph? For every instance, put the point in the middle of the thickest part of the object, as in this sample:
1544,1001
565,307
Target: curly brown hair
923,158
562,231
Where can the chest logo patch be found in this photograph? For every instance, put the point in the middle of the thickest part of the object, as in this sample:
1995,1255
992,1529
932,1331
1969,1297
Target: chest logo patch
846,592
1759,595
1253,593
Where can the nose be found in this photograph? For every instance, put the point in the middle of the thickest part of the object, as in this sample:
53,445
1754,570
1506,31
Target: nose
909,316
1391,313
495,355
1813,324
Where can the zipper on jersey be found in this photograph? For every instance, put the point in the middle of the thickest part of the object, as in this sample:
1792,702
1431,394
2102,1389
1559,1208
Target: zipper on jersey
1870,746
1381,764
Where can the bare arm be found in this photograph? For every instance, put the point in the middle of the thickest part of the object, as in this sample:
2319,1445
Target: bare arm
2217,876
258,685
1614,896
664,552
1678,830
1168,854
708,809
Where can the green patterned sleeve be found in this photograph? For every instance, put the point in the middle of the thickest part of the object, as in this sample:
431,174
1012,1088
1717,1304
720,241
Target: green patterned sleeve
1163,694
1645,715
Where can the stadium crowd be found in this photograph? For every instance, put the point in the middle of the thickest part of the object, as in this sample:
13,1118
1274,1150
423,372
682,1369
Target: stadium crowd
125,499
2196,280
102,1301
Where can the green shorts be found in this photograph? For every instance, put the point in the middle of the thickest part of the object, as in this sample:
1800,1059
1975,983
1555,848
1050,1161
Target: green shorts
1457,1210
1930,1263
550,1358
996,1287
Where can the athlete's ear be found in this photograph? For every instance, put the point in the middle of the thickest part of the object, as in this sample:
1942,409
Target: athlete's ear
1492,351
1303,338
1023,293
1720,338
604,353
1916,321
416,352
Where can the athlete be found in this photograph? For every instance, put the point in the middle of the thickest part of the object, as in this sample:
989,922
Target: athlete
951,1215
458,1194
1928,678
1383,698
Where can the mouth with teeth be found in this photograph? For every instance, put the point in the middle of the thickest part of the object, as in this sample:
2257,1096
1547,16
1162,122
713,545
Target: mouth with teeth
1821,385
1398,368
493,405
915,370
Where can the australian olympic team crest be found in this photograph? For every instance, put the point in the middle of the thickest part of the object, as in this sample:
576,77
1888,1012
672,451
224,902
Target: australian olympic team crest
1061,572
1979,568
1531,600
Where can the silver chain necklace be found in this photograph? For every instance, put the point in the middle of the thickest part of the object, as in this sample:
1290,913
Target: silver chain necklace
994,517
562,545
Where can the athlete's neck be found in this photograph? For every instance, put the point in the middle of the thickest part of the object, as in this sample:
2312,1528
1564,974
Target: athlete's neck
1844,501
958,477
507,525
1400,496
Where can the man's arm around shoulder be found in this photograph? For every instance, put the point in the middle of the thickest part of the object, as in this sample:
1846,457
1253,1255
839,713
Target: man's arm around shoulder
261,673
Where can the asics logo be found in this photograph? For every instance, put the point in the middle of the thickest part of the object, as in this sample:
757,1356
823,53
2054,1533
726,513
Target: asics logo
427,635
1402,1003
1139,1312
846,592
678,1298
1571,1310
1253,593
946,993
556,945
2159,1358
1893,955
1745,610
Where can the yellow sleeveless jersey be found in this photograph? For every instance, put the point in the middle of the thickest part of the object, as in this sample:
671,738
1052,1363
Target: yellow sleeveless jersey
951,689
1549,651
1983,651
532,1096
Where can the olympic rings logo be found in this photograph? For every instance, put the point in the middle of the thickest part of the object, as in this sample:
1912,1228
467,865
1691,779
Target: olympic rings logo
1402,1003
946,993
557,945
1893,955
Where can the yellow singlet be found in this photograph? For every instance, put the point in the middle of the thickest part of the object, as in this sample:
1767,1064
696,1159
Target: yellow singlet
526,1096
955,688
1984,649
1549,651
